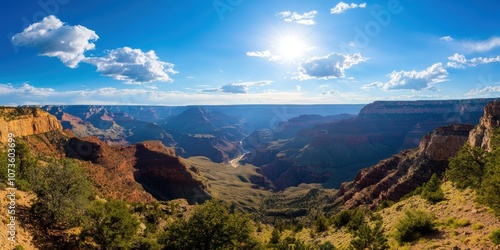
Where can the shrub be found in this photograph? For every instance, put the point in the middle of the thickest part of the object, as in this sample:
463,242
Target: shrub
211,226
413,225
109,225
326,246
467,168
321,224
477,226
62,191
367,237
352,219
432,191
275,236
495,237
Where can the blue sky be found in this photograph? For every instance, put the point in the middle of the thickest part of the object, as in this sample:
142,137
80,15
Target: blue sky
247,51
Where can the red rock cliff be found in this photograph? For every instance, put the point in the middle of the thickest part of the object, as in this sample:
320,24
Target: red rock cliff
26,121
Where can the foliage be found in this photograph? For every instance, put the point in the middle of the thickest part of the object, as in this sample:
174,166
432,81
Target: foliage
467,168
495,237
413,225
370,238
211,226
321,224
352,219
110,225
275,236
62,191
25,163
290,243
432,191
326,246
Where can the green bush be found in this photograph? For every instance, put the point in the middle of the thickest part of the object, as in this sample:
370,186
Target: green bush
326,246
110,225
352,219
467,168
495,237
62,191
413,225
367,237
321,224
211,226
432,191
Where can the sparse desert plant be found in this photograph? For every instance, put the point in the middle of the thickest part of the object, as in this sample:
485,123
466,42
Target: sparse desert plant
495,237
352,219
326,246
413,225
371,238
321,224
432,191
477,226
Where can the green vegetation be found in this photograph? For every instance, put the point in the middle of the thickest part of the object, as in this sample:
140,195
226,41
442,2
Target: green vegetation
62,191
495,237
432,191
321,224
413,225
352,219
211,226
372,238
480,170
110,225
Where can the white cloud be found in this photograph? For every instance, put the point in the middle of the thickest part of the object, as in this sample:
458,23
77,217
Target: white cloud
482,46
488,91
342,7
133,66
24,90
459,61
238,87
446,38
328,67
293,17
415,80
329,92
265,54
372,85
298,87
55,39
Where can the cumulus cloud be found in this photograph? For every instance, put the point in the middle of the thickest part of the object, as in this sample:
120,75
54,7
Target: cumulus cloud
55,39
446,38
133,66
415,80
24,90
265,54
483,46
459,61
328,67
372,85
238,88
342,7
293,17
488,91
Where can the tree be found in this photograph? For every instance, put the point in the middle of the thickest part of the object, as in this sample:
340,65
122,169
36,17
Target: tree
370,238
109,225
62,191
467,168
275,236
432,190
321,224
211,226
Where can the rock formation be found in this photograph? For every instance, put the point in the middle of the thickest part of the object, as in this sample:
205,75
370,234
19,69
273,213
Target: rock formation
26,121
480,136
394,177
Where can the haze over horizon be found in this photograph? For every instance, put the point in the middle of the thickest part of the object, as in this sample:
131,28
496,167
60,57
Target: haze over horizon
247,52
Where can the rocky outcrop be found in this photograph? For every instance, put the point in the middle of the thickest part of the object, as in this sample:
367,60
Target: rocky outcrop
480,136
394,177
142,172
26,121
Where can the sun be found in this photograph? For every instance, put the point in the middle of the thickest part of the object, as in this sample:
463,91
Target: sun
291,47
